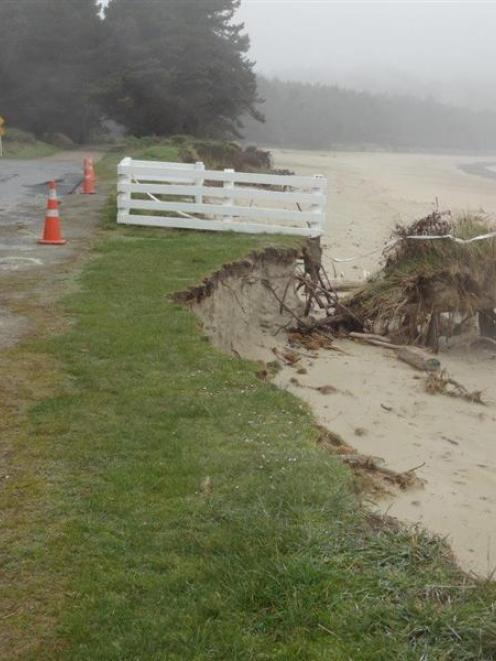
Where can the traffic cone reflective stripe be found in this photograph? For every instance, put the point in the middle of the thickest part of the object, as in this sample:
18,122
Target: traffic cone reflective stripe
53,202
51,230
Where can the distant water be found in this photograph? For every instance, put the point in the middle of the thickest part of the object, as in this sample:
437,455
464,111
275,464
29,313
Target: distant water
482,168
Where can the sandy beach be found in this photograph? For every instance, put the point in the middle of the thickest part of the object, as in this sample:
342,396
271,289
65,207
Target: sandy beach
453,441
370,192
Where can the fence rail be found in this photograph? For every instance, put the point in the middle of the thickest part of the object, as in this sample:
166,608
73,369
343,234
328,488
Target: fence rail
188,196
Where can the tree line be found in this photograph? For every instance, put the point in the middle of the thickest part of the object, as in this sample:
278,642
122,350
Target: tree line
162,67
315,116
155,66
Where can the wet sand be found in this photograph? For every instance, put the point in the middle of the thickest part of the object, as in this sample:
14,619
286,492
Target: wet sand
453,441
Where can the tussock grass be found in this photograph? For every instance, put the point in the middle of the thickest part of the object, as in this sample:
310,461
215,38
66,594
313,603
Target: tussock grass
274,559
421,278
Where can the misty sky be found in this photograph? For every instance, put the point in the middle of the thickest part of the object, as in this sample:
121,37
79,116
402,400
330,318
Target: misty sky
445,48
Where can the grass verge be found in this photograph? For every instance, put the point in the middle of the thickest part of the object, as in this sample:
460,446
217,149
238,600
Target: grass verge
21,150
173,506
146,149
21,144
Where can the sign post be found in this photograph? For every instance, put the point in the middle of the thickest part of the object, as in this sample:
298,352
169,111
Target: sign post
2,133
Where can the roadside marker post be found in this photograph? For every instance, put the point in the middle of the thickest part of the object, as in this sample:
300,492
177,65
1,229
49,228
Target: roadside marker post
2,133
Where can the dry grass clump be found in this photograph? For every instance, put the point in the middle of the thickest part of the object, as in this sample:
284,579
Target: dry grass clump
430,288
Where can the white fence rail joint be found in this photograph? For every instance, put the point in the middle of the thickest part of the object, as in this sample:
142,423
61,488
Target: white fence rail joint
188,196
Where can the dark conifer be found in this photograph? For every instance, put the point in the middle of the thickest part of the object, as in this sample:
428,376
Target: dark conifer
177,67
49,52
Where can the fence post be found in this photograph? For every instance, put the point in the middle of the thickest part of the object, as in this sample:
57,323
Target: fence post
199,181
319,208
229,202
123,196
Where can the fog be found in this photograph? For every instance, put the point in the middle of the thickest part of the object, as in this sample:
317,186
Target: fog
443,49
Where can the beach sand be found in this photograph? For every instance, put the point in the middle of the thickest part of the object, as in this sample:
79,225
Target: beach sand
453,441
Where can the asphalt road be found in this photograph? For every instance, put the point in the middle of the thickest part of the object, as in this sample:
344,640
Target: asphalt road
23,194
23,185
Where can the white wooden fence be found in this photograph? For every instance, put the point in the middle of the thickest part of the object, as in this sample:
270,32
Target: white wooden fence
188,196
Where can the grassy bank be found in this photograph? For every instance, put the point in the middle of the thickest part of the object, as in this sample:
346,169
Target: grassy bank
147,149
20,144
173,506
21,150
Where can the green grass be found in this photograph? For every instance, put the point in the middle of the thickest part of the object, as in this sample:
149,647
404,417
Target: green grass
167,504
21,144
22,150
135,554
141,149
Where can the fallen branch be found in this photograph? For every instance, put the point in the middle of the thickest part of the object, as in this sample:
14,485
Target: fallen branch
442,383
419,359
414,356
372,336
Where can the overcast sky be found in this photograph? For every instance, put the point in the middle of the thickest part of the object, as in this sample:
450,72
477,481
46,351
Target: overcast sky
426,46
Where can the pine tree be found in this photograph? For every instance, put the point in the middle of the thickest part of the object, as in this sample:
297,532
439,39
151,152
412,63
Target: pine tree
177,67
48,61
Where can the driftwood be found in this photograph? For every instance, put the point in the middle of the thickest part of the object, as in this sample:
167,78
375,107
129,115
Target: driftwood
419,359
372,464
371,336
438,381
346,285
375,340
414,356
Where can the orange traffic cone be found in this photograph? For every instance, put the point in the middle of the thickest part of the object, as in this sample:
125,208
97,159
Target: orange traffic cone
89,177
88,184
91,168
51,230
